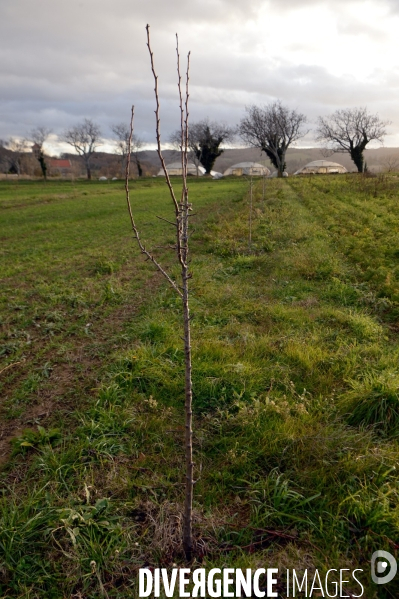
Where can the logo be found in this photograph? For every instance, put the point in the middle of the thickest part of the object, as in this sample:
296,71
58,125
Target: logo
383,567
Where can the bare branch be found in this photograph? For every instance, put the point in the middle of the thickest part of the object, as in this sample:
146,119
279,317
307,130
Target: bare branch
158,132
39,136
167,221
390,163
135,230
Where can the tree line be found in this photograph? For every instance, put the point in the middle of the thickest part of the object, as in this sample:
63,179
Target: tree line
272,128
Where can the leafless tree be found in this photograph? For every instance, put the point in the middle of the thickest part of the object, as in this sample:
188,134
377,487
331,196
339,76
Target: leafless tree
273,129
350,130
18,148
182,209
122,133
204,141
85,139
390,163
39,137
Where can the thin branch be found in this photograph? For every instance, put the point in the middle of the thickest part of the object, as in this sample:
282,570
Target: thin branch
158,132
159,150
135,230
182,128
167,221
183,155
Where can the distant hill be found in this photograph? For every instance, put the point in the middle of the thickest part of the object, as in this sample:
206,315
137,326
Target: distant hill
376,159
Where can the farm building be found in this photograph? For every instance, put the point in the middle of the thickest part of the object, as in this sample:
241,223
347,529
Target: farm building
174,169
59,166
321,167
247,168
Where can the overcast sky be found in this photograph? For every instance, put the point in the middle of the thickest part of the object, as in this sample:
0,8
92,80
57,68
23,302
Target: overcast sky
63,61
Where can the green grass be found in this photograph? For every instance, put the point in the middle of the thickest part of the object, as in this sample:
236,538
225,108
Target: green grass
295,375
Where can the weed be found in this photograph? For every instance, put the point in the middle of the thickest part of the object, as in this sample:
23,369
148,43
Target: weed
374,401
34,439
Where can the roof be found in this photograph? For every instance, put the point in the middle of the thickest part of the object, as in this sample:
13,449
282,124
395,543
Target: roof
247,165
247,168
60,163
176,166
322,163
321,167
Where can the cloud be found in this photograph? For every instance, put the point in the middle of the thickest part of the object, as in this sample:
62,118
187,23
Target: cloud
61,62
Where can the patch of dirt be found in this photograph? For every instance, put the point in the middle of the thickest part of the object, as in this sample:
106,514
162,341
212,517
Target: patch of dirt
37,412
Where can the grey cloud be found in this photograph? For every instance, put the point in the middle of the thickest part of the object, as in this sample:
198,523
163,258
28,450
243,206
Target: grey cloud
60,62
393,5
297,4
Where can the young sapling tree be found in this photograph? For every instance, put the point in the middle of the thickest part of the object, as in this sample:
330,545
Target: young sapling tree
182,210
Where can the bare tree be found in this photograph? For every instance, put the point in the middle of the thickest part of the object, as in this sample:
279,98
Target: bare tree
182,209
18,148
122,133
85,139
390,163
204,141
350,130
39,137
273,129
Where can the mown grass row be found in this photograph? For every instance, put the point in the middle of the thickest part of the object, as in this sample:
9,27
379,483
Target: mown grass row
296,419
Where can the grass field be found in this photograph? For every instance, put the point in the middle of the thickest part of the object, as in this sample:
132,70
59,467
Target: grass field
295,372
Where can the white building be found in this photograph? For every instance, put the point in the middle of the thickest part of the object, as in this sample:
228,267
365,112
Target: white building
175,169
247,168
321,167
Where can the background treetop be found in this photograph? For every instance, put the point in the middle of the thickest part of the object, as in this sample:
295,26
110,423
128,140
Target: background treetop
350,130
272,128
123,142
204,141
84,137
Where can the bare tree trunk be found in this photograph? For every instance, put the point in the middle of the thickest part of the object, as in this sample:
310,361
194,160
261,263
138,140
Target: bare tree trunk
188,503
87,165
282,164
43,165
250,216
139,167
